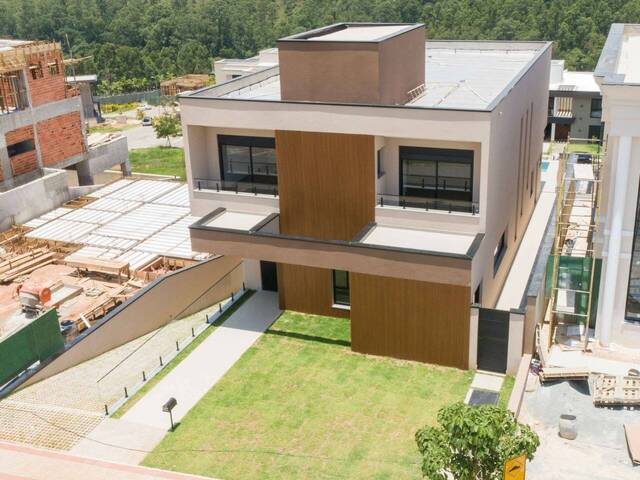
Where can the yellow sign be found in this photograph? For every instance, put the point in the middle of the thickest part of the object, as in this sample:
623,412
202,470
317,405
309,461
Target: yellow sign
514,468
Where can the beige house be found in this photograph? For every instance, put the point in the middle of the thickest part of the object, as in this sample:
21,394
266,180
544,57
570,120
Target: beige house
618,74
374,176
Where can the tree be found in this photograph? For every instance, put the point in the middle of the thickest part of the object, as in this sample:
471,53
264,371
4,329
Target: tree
472,443
167,126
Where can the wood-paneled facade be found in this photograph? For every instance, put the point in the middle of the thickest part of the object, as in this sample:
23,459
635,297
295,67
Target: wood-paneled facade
326,183
307,290
408,319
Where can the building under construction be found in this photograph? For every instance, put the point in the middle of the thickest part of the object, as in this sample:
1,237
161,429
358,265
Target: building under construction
42,132
186,83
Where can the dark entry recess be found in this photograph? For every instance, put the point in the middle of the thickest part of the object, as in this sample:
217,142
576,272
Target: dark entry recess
269,276
493,340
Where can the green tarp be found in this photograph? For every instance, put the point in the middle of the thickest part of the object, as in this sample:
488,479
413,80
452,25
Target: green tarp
38,340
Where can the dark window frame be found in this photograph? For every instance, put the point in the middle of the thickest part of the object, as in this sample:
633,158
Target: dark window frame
379,170
19,148
636,238
598,110
405,150
245,141
340,289
500,251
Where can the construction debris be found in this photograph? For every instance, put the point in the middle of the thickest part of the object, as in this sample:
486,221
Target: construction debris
549,374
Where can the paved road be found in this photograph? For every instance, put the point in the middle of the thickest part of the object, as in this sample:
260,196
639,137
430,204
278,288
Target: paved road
208,363
18,462
145,137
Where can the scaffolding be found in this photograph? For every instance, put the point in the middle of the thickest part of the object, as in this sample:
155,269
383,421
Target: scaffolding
573,271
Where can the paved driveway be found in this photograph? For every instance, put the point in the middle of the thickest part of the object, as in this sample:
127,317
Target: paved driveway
145,137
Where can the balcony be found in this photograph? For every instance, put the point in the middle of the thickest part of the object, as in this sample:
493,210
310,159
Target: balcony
251,188
428,204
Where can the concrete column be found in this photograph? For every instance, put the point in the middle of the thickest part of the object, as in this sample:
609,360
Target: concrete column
252,277
474,315
516,340
85,177
5,163
126,168
553,125
616,212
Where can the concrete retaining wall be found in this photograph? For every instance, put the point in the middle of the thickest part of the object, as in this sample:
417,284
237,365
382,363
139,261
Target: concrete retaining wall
170,297
22,203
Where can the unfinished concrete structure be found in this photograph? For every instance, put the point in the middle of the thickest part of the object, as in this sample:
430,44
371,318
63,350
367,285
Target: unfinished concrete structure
42,119
376,177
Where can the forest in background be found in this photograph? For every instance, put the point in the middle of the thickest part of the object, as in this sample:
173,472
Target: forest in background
134,44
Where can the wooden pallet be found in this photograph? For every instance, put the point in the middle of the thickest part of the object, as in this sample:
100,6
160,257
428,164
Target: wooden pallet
612,390
550,374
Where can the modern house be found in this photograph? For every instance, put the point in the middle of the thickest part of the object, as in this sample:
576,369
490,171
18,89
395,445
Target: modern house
229,68
374,176
42,119
618,234
575,105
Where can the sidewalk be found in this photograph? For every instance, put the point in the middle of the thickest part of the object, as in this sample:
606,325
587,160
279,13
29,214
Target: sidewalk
207,364
18,462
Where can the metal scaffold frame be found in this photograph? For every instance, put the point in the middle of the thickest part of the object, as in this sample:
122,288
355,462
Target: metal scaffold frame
577,214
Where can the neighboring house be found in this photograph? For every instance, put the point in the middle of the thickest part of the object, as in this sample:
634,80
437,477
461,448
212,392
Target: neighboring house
41,118
186,83
618,234
375,177
230,68
575,105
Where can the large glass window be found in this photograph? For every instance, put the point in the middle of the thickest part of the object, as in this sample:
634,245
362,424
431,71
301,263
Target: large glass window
632,311
440,173
248,159
596,108
341,288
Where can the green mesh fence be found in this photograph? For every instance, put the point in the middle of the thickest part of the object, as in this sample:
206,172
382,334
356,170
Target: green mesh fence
38,340
574,274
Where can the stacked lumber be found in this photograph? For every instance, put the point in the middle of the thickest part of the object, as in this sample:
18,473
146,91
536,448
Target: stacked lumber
612,390
19,265
549,374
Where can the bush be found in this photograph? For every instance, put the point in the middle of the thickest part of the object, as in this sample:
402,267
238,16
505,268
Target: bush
472,443
118,107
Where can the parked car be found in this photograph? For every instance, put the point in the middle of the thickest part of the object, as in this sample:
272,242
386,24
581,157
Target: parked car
146,121
144,107
583,157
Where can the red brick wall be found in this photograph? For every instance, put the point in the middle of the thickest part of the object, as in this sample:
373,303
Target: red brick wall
60,138
15,136
49,88
24,163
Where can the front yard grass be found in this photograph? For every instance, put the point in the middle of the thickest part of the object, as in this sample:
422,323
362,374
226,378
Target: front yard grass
300,404
592,148
158,161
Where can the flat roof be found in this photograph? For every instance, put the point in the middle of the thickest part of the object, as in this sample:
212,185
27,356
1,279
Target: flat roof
458,75
576,82
426,240
353,32
235,220
619,62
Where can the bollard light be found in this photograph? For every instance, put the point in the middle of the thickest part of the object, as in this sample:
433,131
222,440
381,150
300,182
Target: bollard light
168,407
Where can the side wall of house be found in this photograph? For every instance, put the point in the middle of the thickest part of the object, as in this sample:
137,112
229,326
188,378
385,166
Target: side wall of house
517,132
60,138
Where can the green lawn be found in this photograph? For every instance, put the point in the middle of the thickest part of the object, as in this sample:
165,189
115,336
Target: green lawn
593,148
181,356
505,391
159,161
300,404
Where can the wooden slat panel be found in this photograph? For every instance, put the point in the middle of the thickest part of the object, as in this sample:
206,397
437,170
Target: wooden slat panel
408,319
307,290
326,183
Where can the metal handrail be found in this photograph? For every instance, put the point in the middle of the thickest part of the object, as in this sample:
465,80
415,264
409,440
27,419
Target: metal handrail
254,188
427,204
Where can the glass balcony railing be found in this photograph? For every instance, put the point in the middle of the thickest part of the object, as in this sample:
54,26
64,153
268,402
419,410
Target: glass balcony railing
427,204
254,188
